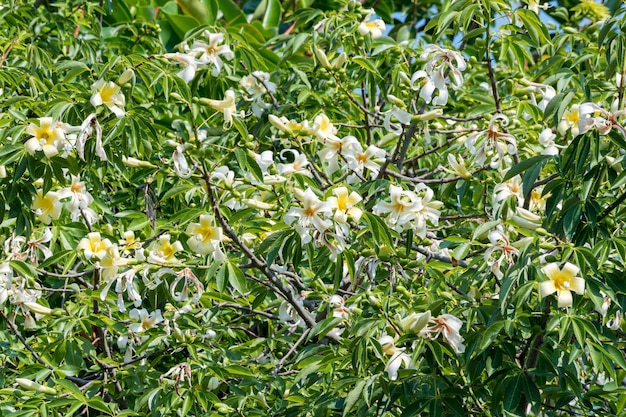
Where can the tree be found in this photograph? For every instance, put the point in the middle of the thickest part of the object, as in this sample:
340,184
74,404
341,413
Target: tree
312,208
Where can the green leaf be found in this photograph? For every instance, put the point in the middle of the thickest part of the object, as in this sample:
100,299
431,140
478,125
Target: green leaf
236,278
537,31
25,269
353,396
366,64
491,334
181,24
513,393
324,326
232,13
271,18
525,165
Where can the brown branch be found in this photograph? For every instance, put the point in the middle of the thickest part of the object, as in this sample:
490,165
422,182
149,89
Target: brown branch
6,53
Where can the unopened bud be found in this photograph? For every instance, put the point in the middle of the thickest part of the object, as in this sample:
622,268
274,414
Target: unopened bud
38,308
321,57
136,163
126,76
35,386
340,60
415,322
429,115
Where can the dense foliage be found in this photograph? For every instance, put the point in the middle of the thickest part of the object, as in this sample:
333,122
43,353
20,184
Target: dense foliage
312,208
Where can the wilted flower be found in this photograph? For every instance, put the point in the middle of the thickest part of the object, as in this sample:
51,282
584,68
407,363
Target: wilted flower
337,304
563,282
499,243
593,115
47,137
448,326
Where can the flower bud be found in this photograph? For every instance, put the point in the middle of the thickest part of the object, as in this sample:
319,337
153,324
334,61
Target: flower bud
429,115
321,57
38,308
136,163
126,76
340,60
415,322
35,386
526,219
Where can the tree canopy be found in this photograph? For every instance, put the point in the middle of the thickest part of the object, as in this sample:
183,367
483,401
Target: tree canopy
312,208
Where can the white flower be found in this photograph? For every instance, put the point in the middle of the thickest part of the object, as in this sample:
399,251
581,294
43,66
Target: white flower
48,137
257,85
546,139
358,159
511,188
308,217
205,238
226,106
570,121
344,204
109,94
374,27
401,209
146,321
448,326
499,243
47,207
212,52
189,62
80,199
425,209
547,93
593,115
434,76
94,246
398,357
181,166
563,282
333,147
415,322
163,251
457,164
480,144
299,163
402,116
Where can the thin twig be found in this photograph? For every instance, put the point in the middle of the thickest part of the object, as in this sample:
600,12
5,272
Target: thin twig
6,53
